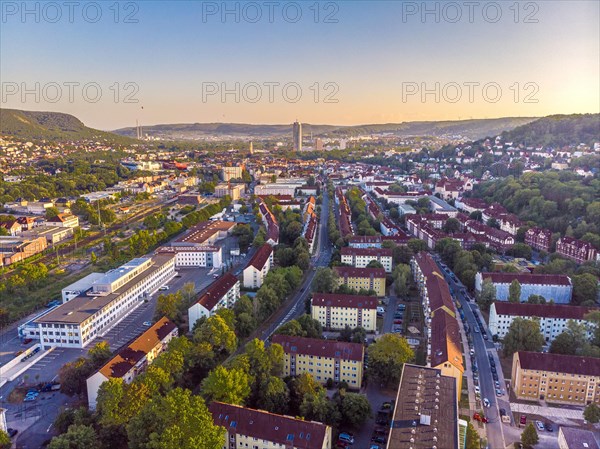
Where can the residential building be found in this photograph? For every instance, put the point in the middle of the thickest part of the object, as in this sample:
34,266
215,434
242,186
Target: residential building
229,173
258,429
270,223
335,311
258,267
53,234
365,241
362,279
204,256
82,319
426,411
556,287
133,358
64,220
574,438
576,250
538,238
361,257
205,233
16,249
323,359
235,191
224,292
556,378
553,318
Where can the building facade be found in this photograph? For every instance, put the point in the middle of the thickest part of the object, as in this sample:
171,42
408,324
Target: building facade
361,257
576,250
133,359
553,319
224,292
323,359
362,279
538,238
79,321
259,266
248,428
556,378
556,287
338,311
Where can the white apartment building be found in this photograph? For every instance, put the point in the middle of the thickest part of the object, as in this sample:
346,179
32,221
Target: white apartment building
258,267
361,257
553,318
205,256
79,321
134,358
224,292
556,287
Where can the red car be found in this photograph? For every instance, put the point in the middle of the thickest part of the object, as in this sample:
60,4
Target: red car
476,416
523,419
397,321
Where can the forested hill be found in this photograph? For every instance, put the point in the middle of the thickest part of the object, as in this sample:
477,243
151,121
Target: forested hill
557,131
53,126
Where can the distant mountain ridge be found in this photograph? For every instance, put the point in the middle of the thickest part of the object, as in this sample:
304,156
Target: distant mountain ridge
53,126
557,130
470,129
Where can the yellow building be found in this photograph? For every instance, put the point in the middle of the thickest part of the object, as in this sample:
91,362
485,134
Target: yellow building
556,378
338,311
362,279
256,429
323,359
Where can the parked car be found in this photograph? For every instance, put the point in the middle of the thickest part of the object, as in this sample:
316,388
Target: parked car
147,323
502,412
378,439
476,416
523,419
549,427
477,389
486,402
11,432
346,437
386,406
498,392
539,425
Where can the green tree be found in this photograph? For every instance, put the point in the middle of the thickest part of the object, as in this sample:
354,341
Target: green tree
5,442
51,212
472,437
402,280
216,332
312,328
592,413
536,299
585,288
387,356
487,295
514,292
178,420
77,437
274,395
355,409
523,335
573,340
110,398
317,407
529,437
325,281
227,385
451,226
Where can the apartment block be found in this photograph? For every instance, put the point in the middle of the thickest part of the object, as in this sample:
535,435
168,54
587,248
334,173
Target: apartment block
576,250
361,257
574,438
203,256
133,358
556,378
426,411
338,311
539,238
229,173
556,287
248,428
323,359
64,221
224,292
362,279
258,267
76,323
553,318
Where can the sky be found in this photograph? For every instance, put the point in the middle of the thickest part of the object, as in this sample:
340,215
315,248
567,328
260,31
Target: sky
345,62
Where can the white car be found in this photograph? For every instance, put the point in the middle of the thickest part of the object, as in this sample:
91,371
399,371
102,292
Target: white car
163,288
476,389
486,402
539,425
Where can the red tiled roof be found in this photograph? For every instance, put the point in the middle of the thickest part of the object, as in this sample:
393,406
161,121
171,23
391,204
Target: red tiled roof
543,310
351,301
262,425
559,363
217,290
320,348
527,278
445,341
360,272
260,257
127,357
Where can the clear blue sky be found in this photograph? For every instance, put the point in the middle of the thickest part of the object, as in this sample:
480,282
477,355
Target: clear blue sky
372,55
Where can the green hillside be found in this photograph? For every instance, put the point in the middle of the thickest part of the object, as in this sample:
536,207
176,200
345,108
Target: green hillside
557,131
53,126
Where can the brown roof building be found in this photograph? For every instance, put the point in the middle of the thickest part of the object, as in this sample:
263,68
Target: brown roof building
245,427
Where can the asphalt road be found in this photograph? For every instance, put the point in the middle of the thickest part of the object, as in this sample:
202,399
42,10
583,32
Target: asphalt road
494,427
320,258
